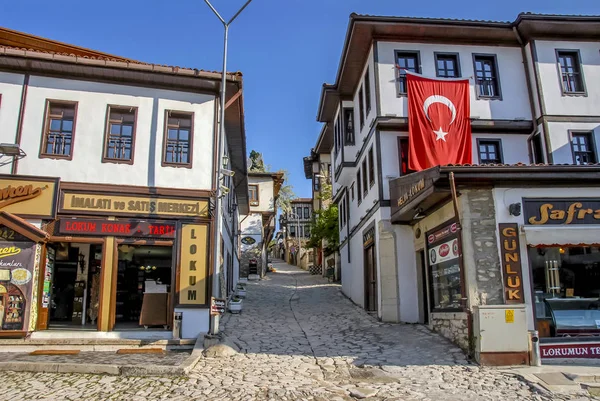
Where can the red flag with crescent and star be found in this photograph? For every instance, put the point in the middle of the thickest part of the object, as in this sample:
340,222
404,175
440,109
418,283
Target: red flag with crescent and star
439,124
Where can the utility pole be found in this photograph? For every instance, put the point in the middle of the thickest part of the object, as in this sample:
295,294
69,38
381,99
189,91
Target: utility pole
216,285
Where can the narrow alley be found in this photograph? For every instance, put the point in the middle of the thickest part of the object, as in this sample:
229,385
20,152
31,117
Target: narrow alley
299,338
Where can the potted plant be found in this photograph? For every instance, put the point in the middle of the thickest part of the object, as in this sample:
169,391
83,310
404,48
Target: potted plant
240,290
235,304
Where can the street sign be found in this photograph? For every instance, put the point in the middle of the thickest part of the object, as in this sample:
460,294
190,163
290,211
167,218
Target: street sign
217,306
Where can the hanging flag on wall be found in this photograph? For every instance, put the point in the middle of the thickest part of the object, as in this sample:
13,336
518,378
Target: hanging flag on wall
439,122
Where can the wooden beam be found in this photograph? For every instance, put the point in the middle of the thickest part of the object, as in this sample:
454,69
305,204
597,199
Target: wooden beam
233,99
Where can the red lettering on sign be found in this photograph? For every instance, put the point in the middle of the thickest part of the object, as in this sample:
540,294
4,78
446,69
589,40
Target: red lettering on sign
444,250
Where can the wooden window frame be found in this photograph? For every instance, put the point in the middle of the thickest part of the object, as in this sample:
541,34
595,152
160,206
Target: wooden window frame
306,214
532,147
367,87
497,142
456,57
591,144
371,160
365,173
361,107
397,54
401,160
349,133
494,59
577,55
46,130
293,228
257,195
358,186
190,161
106,159
352,190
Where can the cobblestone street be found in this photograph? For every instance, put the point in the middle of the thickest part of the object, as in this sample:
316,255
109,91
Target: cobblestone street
301,339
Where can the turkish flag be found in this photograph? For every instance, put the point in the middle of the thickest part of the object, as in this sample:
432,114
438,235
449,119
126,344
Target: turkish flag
439,124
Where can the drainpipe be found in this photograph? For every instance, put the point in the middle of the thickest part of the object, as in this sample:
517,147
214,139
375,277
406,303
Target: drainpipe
13,169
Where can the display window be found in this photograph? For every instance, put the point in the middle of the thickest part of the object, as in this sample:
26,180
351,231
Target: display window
443,255
566,284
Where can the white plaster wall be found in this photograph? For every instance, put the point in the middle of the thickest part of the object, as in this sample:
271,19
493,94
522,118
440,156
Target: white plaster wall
513,85
407,274
11,86
532,73
550,80
195,322
93,99
560,140
359,133
266,200
514,147
503,197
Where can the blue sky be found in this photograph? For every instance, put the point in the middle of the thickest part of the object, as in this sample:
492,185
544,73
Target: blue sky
285,48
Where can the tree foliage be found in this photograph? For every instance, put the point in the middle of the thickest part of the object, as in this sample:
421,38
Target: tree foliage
286,194
325,224
257,165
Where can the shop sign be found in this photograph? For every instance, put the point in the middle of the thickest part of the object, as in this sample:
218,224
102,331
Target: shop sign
442,233
412,190
369,237
510,254
17,263
193,280
28,197
561,211
444,252
217,306
132,205
248,241
117,228
568,351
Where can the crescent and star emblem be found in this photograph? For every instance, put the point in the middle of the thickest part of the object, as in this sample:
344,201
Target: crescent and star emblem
445,101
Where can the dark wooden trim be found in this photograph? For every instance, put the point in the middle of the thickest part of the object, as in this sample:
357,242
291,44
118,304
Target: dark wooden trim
84,187
103,266
435,60
497,140
375,46
233,99
13,334
21,118
417,53
478,96
79,240
190,162
150,242
580,65
472,41
113,287
592,143
23,227
105,159
40,291
257,194
379,164
46,130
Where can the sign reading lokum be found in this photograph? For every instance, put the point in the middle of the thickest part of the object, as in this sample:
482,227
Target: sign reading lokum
193,280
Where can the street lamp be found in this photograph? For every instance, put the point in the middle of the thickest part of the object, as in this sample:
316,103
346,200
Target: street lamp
12,151
216,286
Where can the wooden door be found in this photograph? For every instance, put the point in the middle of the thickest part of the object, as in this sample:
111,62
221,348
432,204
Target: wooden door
370,280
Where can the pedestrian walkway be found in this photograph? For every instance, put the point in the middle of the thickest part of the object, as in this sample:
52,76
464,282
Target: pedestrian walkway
301,339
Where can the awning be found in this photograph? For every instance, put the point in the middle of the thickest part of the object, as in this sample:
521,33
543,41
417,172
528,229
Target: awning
23,227
562,235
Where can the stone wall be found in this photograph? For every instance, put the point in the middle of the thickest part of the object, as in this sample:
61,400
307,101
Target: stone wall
453,326
481,223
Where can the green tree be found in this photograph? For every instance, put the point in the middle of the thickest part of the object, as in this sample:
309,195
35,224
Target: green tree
325,224
256,165
286,194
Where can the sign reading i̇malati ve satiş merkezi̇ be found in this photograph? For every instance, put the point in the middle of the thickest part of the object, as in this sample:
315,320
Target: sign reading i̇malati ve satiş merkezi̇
118,228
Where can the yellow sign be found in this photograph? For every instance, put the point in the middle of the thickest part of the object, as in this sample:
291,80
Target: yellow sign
29,197
193,276
9,251
509,316
139,205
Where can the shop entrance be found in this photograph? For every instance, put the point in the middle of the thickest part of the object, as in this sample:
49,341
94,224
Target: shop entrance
370,279
423,298
143,294
74,285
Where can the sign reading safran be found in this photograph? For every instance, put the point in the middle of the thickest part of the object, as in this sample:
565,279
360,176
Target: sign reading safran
28,197
132,205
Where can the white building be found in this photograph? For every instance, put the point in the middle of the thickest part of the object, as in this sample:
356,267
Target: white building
533,100
258,227
133,149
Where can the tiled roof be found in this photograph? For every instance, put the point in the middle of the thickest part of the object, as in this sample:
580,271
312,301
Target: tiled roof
302,200
429,18
11,50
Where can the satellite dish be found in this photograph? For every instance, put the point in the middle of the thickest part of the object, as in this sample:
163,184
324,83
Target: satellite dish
249,163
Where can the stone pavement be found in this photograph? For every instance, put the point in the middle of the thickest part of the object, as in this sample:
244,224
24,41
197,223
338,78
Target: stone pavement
301,339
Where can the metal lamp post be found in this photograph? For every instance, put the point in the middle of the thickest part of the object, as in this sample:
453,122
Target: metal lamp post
216,287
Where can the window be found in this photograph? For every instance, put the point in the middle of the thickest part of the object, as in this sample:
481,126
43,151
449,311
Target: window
361,107
582,145
403,156
253,192
444,270
486,76
570,69
307,231
537,150
406,61
349,126
316,183
490,151
447,65
364,176
336,136
59,130
119,138
300,231
358,184
367,92
371,167
347,200
292,231
306,213
178,139
352,191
